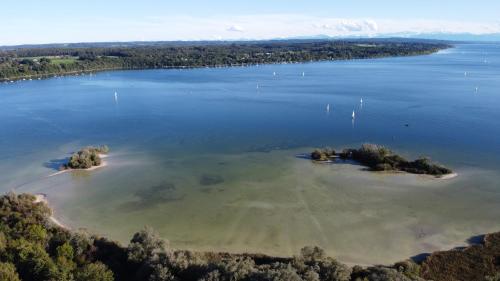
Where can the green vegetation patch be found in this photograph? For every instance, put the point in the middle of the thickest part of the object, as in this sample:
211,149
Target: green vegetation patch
380,158
64,60
477,262
86,158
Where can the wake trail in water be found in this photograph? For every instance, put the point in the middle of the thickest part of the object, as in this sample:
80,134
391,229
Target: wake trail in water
313,218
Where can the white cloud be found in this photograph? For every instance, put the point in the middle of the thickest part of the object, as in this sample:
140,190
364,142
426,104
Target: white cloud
372,25
235,28
349,26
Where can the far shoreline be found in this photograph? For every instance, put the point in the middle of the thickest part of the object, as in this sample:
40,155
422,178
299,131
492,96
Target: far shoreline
8,80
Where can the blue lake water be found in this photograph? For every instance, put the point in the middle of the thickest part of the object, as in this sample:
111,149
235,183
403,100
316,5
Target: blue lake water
207,156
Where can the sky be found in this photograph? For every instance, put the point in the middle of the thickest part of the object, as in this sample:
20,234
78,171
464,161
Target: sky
66,21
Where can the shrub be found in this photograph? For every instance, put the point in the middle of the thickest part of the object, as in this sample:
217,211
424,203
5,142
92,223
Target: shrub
8,272
322,154
94,272
86,158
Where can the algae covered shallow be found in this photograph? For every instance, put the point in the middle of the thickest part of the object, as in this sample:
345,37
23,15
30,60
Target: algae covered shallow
209,159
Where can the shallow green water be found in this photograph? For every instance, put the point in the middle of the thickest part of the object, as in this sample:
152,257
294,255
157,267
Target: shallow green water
210,161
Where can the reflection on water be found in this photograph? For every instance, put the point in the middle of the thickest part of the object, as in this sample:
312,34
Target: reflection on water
211,163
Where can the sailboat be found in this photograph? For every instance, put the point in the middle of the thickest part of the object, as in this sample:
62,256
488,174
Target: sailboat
116,96
361,101
257,86
274,73
303,74
353,114
328,108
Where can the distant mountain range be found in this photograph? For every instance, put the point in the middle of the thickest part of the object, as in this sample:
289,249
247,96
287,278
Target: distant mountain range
405,36
463,37
442,36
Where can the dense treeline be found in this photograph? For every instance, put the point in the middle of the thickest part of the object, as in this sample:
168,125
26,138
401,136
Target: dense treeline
39,62
32,248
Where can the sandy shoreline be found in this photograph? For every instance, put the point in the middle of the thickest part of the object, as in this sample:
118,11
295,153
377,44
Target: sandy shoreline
447,177
42,198
443,177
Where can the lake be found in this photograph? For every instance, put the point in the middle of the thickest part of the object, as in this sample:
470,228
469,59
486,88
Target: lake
208,157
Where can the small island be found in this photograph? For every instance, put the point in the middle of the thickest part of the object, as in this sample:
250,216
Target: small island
380,158
86,158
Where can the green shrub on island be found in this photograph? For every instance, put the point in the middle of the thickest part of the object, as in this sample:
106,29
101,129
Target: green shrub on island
32,248
380,158
86,158
325,154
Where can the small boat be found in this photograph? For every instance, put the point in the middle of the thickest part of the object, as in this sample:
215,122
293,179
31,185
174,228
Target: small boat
116,96
303,74
353,114
361,101
274,73
328,107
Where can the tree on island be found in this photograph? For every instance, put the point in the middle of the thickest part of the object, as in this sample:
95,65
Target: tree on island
86,158
380,158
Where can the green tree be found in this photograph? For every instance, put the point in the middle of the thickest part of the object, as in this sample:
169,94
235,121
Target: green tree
94,272
36,233
64,260
8,272
32,261
144,245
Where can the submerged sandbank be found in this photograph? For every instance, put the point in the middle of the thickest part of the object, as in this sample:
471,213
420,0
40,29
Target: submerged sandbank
353,214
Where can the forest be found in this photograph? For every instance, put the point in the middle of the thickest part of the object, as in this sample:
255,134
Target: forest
33,248
39,62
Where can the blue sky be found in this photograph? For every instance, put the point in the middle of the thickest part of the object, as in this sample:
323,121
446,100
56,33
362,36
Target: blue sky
48,21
